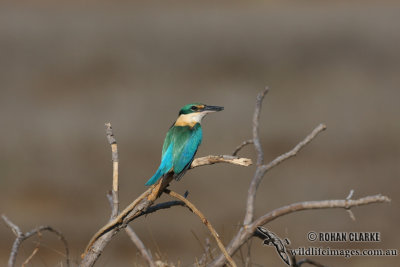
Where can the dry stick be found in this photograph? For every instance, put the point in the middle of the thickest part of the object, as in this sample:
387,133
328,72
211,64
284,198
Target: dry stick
209,160
23,236
30,256
205,221
242,145
321,204
256,122
140,206
115,199
245,233
114,157
261,170
251,195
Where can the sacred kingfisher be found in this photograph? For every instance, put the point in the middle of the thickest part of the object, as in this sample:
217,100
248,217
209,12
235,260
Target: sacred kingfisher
182,141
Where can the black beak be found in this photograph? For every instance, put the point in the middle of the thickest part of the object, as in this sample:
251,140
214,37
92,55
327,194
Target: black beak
213,108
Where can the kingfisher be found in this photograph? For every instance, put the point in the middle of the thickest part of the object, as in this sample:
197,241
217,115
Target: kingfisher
182,141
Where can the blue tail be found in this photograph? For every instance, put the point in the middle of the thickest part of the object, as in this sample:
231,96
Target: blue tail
165,166
155,177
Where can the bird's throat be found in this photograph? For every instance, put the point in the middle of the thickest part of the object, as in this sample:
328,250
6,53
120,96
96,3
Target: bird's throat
190,119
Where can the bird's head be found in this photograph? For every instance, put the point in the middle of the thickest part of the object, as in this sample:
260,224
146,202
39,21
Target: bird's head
193,113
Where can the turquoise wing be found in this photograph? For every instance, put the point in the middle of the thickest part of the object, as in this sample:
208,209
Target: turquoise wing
166,159
179,149
186,142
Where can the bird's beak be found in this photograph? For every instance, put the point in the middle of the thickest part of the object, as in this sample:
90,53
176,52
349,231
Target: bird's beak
213,108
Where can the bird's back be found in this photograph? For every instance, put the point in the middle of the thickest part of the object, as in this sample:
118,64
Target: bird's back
186,142
180,146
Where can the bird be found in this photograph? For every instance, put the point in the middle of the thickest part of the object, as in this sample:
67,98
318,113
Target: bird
182,141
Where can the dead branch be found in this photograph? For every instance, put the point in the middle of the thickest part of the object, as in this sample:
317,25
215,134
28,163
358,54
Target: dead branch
243,144
26,262
114,157
209,160
114,199
139,206
262,169
205,221
256,126
249,224
21,237
143,204
247,231
322,204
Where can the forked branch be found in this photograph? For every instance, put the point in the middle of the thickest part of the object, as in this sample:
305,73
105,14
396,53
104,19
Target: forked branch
249,224
141,206
114,199
21,237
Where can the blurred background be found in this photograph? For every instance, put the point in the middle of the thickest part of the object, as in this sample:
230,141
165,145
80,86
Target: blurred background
67,68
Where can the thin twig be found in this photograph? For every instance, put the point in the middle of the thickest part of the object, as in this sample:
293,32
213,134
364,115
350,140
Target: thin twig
115,159
251,194
256,122
246,232
205,221
114,199
23,236
139,244
261,170
243,144
30,256
209,160
139,206
321,127
349,211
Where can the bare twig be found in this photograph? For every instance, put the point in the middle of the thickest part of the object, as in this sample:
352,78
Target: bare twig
114,199
256,122
249,224
30,256
114,157
205,221
139,244
20,237
321,127
322,204
142,205
139,206
351,214
208,160
261,170
248,231
243,144
251,195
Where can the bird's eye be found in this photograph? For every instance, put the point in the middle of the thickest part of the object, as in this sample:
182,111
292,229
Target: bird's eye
193,108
